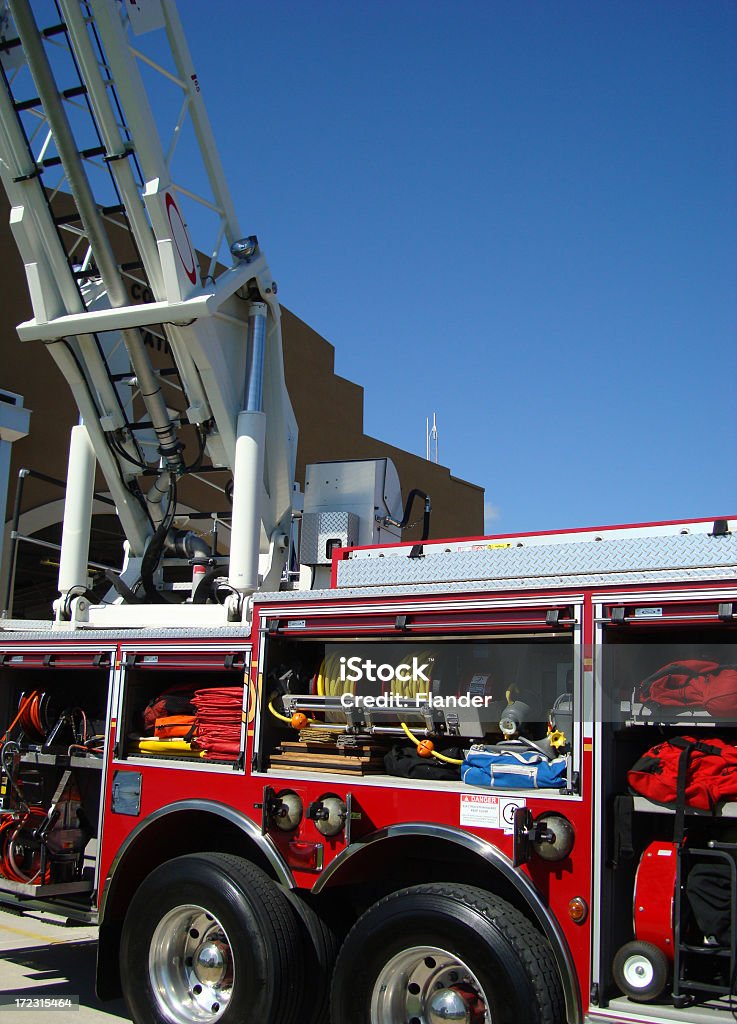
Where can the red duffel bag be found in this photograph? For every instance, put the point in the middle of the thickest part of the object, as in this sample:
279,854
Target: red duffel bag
176,700
692,684
694,772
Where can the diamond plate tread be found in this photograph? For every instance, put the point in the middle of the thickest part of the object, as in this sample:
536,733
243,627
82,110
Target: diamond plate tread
500,586
320,527
544,562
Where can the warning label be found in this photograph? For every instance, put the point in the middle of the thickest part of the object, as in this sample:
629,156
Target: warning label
482,810
506,814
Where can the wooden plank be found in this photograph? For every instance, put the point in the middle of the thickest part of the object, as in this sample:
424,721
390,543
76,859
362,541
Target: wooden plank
337,769
327,748
342,765
322,758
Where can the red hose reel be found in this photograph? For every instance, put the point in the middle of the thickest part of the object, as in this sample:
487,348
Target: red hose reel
642,968
21,848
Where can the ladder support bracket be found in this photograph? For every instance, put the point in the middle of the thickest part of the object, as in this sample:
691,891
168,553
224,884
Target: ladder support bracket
148,315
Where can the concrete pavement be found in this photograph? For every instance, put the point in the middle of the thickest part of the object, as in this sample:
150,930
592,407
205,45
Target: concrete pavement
44,958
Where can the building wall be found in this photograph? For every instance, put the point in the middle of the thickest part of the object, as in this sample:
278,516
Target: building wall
328,408
329,411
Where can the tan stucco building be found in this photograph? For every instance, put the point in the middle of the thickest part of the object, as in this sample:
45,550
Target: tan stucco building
328,409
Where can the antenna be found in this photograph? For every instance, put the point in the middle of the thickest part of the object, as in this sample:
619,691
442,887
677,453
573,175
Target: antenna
432,450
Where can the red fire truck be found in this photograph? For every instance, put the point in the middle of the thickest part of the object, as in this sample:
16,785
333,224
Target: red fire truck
313,773
228,883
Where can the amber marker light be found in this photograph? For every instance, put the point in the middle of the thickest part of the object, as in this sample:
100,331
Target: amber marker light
578,910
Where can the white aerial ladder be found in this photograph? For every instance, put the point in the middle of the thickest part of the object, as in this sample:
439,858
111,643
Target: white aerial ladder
75,118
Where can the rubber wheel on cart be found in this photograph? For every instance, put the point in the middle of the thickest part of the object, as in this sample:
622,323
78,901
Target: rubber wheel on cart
641,971
441,952
211,938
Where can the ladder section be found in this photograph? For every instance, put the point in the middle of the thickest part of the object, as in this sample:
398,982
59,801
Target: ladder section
57,272
99,256
162,346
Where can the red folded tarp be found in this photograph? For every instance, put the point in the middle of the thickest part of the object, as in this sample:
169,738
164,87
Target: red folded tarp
218,721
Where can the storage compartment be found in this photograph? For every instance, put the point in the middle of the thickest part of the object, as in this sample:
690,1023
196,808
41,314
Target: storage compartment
54,707
183,708
668,676
348,705
668,697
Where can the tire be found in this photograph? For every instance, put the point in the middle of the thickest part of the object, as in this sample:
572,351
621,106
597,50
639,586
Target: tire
641,971
445,952
211,938
320,945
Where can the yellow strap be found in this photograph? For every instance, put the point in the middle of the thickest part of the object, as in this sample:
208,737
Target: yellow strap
435,753
276,714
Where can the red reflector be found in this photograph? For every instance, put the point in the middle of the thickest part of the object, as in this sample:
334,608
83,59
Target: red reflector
304,856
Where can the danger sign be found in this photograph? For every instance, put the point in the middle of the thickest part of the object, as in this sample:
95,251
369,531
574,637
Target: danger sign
482,810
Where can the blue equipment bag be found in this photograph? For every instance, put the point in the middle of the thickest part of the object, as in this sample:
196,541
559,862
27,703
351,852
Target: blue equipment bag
517,768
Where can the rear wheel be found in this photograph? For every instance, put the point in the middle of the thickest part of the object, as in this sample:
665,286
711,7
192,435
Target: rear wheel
320,946
438,952
210,939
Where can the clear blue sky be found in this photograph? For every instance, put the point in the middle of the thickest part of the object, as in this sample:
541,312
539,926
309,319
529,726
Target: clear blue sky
519,215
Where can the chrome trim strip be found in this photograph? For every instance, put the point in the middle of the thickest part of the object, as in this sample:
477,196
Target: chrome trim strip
504,865
655,619
245,824
382,606
146,645
692,593
598,808
418,631
112,697
12,646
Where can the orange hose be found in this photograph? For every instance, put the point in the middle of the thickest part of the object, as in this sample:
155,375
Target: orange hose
21,709
35,712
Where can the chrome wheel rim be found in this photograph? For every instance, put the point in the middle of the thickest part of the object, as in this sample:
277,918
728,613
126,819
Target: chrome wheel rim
190,966
638,971
428,985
